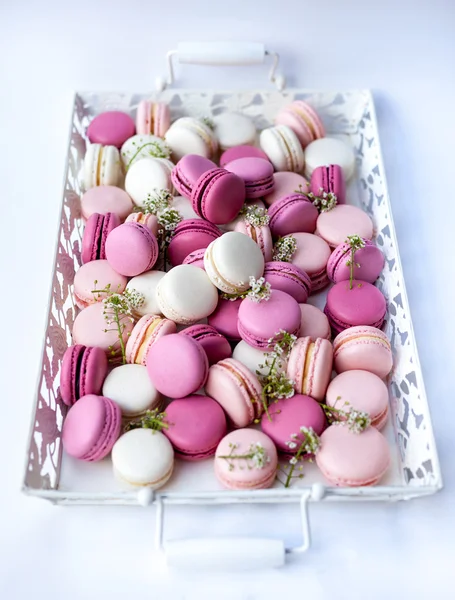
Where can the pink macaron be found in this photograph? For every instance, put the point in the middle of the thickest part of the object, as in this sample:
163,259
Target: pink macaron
303,120
96,231
311,256
190,235
260,234
111,128
291,214
329,179
259,322
288,278
152,118
241,152
335,225
96,275
237,390
131,249
195,258
368,263
365,348
257,173
91,428
105,199
83,372
218,196
314,323
364,304
215,345
225,318
197,425
288,415
145,333
350,459
310,366
188,170
177,365
246,459
286,183
146,219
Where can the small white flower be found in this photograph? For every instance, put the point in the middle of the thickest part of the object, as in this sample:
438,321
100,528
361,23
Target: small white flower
292,445
293,461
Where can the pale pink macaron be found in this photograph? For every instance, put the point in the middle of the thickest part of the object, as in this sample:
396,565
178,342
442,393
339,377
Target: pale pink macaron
152,118
146,332
311,256
259,234
310,366
96,275
246,459
105,199
350,459
363,347
314,323
286,183
303,120
362,391
131,249
148,220
335,225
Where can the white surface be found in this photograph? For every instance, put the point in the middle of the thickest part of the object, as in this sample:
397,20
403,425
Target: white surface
405,52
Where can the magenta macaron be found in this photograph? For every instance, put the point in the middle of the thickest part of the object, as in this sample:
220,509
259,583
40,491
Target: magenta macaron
131,249
368,263
225,318
197,425
111,128
190,235
288,278
215,345
195,258
83,372
311,256
241,152
91,428
96,231
218,196
329,179
257,173
291,214
188,170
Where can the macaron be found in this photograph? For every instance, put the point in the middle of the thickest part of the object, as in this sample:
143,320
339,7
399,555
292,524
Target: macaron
231,260
234,129
349,459
218,196
242,151
363,305
365,348
282,148
91,428
260,234
111,128
146,284
253,358
330,151
311,256
310,366
256,173
329,179
177,365
147,331
361,391
83,372
186,295
195,258
106,199
130,387
288,415
185,207
146,219
190,235
131,249
313,323
144,146
237,390
188,135
198,426
246,459
368,263
215,345
248,206
143,458
188,170
303,120
153,118
288,278
96,275
225,318
96,231
259,322
286,184
335,225
101,166
145,177
291,214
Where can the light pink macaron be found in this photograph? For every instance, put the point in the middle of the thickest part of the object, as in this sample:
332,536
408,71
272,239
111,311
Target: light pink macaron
310,366
335,225
148,220
286,183
303,120
311,256
145,333
131,249
314,323
105,199
152,118
96,275
363,347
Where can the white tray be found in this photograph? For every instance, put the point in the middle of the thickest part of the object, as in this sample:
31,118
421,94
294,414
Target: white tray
415,467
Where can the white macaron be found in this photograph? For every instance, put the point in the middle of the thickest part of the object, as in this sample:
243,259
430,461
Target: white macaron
282,148
329,151
130,387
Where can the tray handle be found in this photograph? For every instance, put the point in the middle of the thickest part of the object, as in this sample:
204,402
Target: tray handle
221,54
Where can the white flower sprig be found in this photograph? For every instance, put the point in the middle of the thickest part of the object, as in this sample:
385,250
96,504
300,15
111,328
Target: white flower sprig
308,443
284,248
355,242
324,202
356,420
256,454
168,220
209,122
258,291
156,202
154,149
255,215
153,419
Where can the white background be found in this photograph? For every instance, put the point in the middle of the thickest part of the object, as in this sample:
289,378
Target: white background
405,51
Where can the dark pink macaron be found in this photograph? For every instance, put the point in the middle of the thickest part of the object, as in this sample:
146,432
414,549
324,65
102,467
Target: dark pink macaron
363,305
215,344
368,263
190,235
329,179
111,128
131,249
258,322
198,424
257,173
83,371
91,428
241,152
195,258
225,318
97,228
218,196
288,278
292,214
188,170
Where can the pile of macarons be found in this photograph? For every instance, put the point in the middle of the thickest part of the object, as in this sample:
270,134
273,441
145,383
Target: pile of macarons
190,358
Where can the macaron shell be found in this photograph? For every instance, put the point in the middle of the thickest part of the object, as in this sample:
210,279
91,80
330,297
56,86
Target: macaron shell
130,387
364,304
314,323
144,146
145,219
351,459
92,233
257,174
292,214
329,179
101,166
303,120
282,148
225,318
145,333
310,366
233,129
370,259
364,348
335,225
251,357
111,128
214,344
106,199
260,235
71,364
242,151
146,284
131,249
190,136
286,183
311,256
185,208
94,367
96,275
288,278
188,170
196,259
330,151
144,177
218,196
190,235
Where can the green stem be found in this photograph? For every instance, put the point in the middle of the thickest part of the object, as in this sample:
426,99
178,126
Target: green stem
237,456
291,470
140,150
120,335
351,268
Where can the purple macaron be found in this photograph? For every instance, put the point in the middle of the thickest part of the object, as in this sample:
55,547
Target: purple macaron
83,371
190,235
368,263
97,228
329,179
292,214
215,344
218,196
241,152
188,170
288,278
257,173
